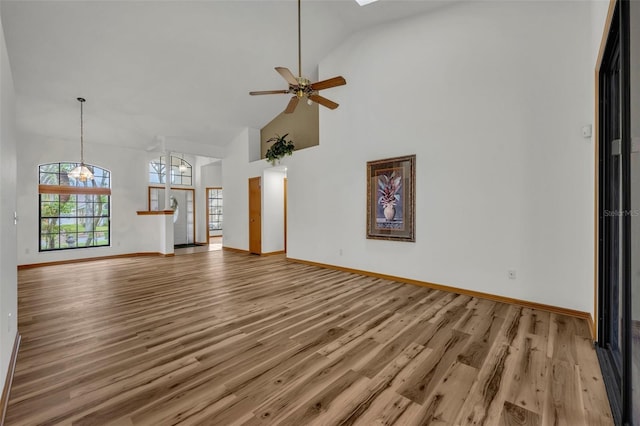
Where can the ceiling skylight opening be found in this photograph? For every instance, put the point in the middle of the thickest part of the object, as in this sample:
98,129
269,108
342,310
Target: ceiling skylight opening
365,2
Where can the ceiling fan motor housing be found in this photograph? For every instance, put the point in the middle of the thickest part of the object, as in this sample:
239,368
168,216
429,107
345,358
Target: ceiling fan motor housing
302,89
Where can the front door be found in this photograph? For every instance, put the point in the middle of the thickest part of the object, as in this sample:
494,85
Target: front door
179,207
255,214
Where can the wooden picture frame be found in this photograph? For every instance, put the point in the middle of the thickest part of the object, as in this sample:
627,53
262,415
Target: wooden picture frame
391,201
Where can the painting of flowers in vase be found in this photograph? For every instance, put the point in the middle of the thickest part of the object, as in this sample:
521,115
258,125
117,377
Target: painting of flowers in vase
390,199
390,212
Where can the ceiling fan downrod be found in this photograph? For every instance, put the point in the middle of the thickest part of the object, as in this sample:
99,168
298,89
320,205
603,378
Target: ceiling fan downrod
299,44
300,87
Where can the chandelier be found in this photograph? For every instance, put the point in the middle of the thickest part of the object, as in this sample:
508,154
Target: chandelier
81,172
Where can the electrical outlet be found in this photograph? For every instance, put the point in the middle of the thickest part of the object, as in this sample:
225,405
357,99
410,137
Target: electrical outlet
340,252
512,274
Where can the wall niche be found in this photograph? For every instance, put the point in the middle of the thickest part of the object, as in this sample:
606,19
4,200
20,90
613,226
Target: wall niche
302,126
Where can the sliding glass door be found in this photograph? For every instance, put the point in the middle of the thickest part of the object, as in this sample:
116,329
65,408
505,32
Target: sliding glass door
634,118
618,343
610,336
635,276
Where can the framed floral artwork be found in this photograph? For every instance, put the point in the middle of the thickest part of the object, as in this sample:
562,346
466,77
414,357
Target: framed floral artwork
391,198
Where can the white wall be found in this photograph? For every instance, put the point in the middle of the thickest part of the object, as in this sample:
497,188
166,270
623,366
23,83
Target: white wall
273,210
156,233
599,9
8,261
129,194
491,97
236,170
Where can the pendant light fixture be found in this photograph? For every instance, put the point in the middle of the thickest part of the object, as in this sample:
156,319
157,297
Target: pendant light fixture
182,167
81,172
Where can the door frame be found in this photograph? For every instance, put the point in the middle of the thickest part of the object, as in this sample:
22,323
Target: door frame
285,188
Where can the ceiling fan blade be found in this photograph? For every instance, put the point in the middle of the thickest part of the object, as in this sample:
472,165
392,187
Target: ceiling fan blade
287,75
270,92
323,101
328,83
293,103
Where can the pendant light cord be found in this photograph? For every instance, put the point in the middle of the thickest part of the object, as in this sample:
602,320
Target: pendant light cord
81,135
81,100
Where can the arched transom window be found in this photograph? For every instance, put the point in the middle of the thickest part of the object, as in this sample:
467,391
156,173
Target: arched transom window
181,171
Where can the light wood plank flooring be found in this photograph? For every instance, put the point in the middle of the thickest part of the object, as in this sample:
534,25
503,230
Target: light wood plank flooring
220,338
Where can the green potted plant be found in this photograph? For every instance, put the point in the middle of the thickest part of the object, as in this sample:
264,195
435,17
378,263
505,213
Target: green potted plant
279,149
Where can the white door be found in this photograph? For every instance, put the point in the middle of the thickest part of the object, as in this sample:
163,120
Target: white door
180,214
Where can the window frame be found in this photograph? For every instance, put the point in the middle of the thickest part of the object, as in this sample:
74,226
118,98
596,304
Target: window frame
177,177
221,215
56,183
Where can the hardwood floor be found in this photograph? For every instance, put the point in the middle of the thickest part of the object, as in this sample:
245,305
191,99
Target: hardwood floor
221,338
215,243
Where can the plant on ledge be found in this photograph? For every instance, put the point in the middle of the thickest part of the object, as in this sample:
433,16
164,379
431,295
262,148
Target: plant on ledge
279,149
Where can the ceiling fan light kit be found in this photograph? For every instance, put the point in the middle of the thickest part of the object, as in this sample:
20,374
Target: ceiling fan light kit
301,87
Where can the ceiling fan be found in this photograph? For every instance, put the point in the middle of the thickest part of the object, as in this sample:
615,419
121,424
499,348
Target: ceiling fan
300,86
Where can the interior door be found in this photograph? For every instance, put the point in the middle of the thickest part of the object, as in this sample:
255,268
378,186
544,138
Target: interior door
255,216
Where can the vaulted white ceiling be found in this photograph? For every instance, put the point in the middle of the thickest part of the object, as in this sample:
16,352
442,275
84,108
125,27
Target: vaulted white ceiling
177,69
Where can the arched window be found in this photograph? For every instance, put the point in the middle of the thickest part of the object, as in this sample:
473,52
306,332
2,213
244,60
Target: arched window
73,214
181,171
